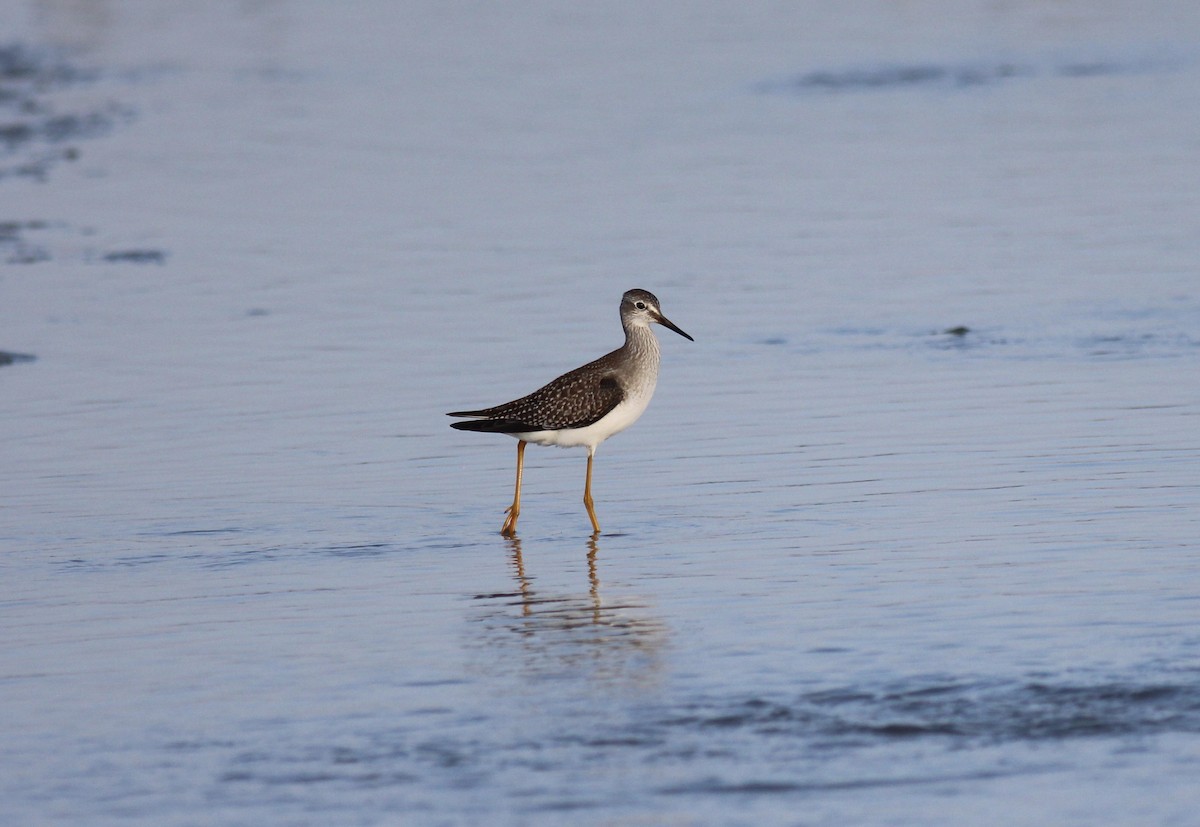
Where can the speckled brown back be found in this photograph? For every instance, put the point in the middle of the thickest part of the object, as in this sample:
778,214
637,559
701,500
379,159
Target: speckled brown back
573,400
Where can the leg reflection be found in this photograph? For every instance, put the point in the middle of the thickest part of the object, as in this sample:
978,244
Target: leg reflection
567,633
523,586
594,577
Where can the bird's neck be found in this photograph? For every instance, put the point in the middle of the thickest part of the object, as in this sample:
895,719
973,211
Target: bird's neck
642,345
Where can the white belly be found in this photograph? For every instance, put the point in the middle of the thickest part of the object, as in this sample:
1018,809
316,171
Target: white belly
617,420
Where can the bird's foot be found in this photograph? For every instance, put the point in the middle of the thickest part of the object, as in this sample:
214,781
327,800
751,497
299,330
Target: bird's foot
509,529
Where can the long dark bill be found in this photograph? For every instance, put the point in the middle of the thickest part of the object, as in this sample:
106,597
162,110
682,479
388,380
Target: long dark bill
667,323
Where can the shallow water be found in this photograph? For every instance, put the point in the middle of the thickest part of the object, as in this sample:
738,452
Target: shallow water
908,535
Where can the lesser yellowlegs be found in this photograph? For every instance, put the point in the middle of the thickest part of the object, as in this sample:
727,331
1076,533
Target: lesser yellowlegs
586,406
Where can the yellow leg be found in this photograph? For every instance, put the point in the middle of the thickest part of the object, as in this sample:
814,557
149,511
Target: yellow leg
587,494
513,511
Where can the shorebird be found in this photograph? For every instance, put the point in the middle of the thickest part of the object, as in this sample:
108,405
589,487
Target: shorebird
586,406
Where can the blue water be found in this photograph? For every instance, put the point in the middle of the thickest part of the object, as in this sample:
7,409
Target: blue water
907,536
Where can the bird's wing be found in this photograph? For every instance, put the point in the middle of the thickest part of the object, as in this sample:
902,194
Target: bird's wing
573,400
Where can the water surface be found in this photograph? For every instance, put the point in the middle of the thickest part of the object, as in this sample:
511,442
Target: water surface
908,535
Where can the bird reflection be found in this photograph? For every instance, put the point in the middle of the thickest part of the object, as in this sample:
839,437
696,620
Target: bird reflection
542,634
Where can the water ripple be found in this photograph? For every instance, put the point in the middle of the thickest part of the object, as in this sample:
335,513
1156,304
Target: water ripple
954,75
993,712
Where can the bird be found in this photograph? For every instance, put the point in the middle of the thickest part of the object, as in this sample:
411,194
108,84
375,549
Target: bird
585,406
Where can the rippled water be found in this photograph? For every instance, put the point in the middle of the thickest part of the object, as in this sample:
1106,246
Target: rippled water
908,535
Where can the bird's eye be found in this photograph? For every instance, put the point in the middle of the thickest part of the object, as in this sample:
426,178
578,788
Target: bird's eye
640,305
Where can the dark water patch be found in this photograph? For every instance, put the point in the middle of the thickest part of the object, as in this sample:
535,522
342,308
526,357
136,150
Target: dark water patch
428,684
137,560
135,257
905,75
229,551
715,786
106,561
1165,333
9,358
198,744
33,241
958,337
24,66
956,75
1137,345
35,133
20,241
827,740
1000,712
24,141
277,777
10,231
561,806
202,532
359,550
